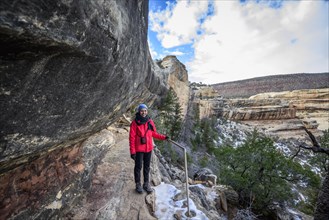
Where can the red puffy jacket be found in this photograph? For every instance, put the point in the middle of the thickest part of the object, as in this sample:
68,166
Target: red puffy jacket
138,131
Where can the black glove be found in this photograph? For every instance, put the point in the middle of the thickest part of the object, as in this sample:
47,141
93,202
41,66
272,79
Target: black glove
133,156
167,138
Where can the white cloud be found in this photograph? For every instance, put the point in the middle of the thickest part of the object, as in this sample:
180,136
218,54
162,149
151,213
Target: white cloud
154,54
248,40
255,40
162,54
175,52
178,24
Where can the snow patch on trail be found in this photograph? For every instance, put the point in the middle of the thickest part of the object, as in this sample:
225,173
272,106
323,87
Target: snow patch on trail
166,207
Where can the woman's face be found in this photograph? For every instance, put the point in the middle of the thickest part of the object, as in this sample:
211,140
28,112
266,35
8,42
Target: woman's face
143,112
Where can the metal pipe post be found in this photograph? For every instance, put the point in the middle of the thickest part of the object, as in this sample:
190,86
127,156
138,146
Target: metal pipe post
186,176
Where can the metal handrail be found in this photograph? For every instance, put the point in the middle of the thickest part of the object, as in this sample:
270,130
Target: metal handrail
186,175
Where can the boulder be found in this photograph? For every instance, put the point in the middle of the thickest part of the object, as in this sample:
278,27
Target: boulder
205,175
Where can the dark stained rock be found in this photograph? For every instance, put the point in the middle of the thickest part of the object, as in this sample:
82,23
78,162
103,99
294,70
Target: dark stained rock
68,69
48,185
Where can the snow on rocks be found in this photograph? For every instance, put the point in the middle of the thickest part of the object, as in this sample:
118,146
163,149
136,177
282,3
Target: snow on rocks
167,208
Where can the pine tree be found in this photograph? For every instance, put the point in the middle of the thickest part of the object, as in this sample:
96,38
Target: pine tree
176,122
171,115
169,122
322,160
261,175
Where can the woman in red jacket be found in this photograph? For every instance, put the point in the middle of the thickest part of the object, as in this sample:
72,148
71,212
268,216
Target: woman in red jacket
142,130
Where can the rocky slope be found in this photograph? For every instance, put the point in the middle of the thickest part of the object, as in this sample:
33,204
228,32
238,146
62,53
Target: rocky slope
275,83
68,70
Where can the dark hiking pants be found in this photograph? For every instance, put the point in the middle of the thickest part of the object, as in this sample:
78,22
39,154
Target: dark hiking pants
142,160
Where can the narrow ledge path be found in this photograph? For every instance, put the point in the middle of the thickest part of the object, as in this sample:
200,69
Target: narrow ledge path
113,195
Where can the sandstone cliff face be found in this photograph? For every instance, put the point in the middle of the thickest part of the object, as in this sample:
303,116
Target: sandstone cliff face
207,100
260,113
312,105
283,113
263,109
177,79
68,69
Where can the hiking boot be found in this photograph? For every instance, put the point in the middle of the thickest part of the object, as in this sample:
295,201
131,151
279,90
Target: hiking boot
147,187
139,188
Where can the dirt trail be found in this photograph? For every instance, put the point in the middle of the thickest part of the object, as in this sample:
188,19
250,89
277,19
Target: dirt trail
113,193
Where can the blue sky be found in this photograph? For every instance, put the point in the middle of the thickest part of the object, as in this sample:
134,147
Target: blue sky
228,40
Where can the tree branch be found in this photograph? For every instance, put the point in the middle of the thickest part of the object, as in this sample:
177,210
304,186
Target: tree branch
296,153
313,139
316,148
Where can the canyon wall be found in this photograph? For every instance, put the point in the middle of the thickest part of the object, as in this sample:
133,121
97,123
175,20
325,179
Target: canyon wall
282,114
206,99
68,70
311,106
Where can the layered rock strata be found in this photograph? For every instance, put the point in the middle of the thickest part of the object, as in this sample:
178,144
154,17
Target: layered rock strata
260,109
276,112
284,105
312,106
283,114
